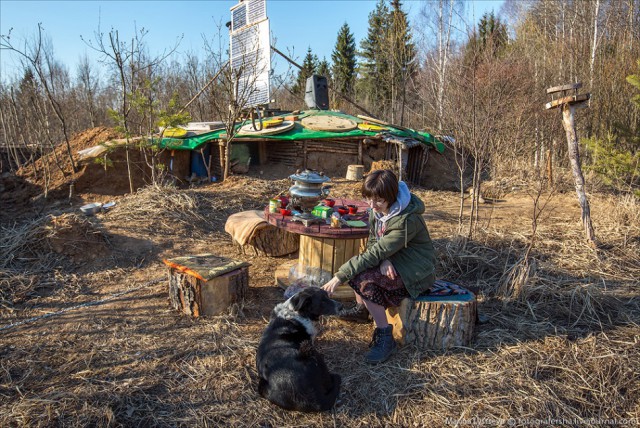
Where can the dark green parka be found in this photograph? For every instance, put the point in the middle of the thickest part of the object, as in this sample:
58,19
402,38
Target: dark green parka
405,243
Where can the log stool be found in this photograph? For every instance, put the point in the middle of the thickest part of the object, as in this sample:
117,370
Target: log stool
438,321
206,284
250,231
271,242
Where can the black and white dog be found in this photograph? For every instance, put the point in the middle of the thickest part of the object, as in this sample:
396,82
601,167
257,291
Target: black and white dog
292,372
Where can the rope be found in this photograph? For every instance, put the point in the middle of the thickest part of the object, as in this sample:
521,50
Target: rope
83,305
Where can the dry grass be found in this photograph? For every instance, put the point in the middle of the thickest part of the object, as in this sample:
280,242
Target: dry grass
564,344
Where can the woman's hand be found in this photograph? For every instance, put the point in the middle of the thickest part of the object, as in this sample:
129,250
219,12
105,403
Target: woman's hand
330,286
387,269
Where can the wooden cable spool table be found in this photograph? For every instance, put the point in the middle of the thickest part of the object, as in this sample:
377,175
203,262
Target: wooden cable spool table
323,249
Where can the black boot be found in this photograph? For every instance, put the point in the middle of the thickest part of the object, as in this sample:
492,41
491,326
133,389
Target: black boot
382,345
357,313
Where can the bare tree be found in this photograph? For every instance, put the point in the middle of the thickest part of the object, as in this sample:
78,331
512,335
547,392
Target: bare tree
436,19
39,55
89,86
133,69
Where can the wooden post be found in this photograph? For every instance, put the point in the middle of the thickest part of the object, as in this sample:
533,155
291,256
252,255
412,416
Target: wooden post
549,167
569,104
262,152
221,152
304,154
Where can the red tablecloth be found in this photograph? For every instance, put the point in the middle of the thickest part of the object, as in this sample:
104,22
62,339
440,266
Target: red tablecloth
323,230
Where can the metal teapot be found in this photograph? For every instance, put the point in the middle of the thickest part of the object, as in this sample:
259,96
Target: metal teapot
308,189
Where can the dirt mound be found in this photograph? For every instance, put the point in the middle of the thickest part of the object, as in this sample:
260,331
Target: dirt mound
56,168
15,190
76,238
108,176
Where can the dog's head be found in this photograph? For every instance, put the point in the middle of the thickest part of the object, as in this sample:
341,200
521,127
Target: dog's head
312,302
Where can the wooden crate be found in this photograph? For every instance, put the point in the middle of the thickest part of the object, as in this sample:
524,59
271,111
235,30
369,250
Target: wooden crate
203,291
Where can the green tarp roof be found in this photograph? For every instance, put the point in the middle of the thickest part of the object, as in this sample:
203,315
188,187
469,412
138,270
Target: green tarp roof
299,132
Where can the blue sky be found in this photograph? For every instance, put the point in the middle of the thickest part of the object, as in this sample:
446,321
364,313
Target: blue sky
295,25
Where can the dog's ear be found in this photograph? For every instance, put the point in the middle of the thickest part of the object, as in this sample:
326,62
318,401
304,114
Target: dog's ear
300,301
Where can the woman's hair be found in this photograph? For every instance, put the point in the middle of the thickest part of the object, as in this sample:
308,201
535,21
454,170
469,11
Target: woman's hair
382,184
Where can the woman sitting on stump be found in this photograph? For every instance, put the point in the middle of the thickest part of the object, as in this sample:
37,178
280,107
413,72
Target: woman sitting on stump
399,260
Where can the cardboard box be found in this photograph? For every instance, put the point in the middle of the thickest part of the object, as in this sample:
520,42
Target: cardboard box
322,211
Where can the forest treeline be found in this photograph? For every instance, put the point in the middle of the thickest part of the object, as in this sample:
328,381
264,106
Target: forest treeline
479,84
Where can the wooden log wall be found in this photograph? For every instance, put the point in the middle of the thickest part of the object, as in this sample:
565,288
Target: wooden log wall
283,152
294,153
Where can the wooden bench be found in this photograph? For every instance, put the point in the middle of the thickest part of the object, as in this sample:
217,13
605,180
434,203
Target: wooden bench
435,322
206,284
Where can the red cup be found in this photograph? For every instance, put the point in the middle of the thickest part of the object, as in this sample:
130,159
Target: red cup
352,209
285,211
342,210
284,201
329,202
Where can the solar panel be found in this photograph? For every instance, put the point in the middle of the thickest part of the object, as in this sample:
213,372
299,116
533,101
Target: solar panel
251,51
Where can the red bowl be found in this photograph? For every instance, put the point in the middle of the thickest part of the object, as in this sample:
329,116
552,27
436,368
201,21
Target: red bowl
342,210
352,209
329,202
285,211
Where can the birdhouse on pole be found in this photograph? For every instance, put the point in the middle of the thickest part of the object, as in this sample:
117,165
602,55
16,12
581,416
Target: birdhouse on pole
568,101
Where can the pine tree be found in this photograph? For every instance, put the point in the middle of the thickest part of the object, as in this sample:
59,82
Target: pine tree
324,70
492,32
491,38
373,65
309,67
344,61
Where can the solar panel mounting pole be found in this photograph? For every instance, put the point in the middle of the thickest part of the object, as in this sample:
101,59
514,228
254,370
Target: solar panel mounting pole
344,97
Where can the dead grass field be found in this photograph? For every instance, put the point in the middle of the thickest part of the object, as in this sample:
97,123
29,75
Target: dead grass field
561,342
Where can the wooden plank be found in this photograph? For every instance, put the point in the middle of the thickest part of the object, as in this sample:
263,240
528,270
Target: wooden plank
304,255
566,87
327,255
351,248
316,253
339,251
262,152
567,100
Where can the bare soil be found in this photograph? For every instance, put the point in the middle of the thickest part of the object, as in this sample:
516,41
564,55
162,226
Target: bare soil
87,337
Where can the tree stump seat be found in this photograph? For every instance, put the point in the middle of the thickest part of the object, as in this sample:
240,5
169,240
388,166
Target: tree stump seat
270,241
251,232
436,321
206,284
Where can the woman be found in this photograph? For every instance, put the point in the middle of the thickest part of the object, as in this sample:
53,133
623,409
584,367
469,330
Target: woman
399,260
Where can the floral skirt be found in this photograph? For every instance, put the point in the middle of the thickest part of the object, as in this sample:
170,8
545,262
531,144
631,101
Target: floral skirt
378,288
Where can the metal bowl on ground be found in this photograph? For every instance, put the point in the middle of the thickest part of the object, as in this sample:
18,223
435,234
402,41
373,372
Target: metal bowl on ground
91,209
108,206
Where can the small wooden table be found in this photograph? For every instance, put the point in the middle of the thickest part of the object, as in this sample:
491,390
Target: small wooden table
323,249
